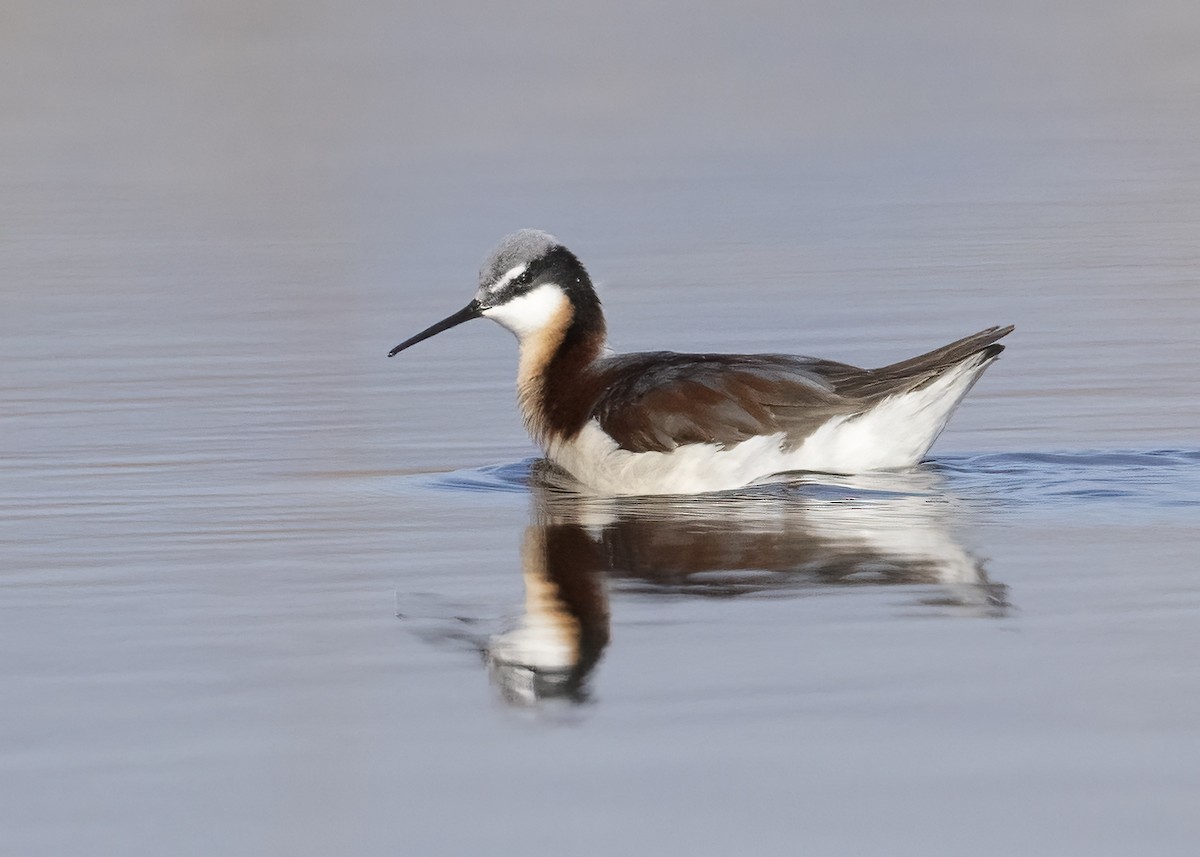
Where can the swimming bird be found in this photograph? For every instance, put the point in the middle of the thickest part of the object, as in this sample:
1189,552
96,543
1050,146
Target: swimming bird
666,423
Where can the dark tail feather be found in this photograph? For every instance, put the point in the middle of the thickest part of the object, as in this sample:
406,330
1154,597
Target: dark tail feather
984,342
916,372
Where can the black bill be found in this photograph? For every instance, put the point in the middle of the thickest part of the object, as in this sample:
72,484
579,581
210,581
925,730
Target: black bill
470,311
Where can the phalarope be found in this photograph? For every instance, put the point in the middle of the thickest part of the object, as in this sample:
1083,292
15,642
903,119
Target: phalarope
666,423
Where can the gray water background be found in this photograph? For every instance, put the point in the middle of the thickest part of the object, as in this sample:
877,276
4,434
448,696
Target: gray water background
248,564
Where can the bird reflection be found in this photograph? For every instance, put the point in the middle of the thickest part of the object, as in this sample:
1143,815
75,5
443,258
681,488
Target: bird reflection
881,530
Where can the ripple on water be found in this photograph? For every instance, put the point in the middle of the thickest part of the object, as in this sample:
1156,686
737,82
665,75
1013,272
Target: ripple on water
1163,479
512,477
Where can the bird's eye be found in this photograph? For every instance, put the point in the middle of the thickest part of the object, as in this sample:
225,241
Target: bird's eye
524,279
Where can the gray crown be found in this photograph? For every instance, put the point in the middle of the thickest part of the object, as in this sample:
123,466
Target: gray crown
520,248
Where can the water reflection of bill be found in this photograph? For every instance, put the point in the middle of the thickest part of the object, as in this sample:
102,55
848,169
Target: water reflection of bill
889,530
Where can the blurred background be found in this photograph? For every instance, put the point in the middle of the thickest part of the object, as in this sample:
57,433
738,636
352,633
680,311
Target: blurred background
884,178
216,493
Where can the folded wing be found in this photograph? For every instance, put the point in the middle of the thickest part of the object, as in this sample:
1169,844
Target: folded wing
658,401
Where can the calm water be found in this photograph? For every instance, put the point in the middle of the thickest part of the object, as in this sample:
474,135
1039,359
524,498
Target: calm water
264,591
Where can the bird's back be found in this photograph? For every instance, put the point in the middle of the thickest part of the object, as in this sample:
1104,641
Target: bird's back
658,401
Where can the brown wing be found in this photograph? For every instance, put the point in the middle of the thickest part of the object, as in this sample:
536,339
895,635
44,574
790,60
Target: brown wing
657,402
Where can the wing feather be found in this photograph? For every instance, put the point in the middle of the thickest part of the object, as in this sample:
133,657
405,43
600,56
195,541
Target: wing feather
657,402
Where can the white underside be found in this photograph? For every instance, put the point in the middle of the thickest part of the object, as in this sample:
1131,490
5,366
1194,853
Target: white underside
894,434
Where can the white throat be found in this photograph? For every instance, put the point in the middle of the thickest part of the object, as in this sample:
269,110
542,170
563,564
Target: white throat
531,313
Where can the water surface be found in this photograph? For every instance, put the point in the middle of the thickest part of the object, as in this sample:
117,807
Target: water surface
263,590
